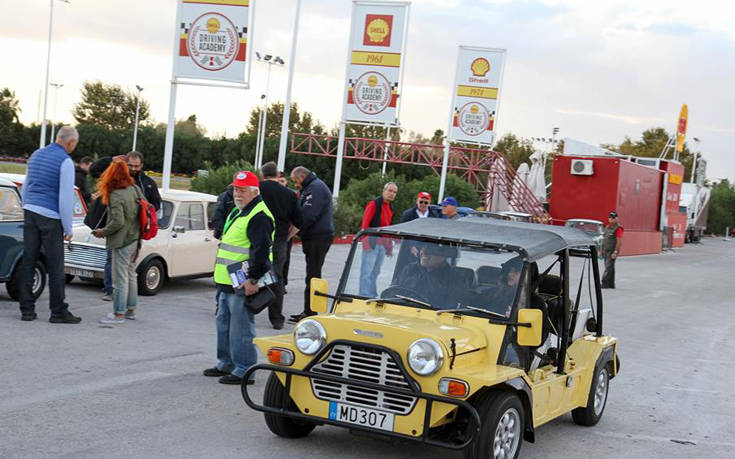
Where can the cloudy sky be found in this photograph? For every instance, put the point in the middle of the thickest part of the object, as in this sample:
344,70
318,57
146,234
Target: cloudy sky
599,70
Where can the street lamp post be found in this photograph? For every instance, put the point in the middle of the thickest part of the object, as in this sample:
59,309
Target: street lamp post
53,121
271,61
137,111
694,160
42,142
287,104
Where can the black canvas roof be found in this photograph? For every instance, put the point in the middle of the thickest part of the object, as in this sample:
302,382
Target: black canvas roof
532,240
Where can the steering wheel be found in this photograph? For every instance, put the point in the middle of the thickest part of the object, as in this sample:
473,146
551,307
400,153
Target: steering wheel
394,290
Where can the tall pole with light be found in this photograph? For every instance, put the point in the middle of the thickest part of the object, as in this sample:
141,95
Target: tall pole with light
287,104
137,113
42,142
694,160
53,121
271,61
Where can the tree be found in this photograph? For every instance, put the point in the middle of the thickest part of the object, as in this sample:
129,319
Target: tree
11,130
650,145
109,106
515,149
721,207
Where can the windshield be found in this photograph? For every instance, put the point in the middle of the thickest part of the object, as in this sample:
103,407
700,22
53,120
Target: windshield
587,227
446,276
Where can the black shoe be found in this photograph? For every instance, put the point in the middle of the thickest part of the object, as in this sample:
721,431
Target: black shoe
298,317
234,380
67,318
214,371
278,326
28,317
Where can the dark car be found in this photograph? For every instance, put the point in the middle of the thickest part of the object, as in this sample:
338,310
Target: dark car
11,243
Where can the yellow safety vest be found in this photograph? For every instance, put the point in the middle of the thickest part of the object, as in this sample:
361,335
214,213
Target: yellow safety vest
235,245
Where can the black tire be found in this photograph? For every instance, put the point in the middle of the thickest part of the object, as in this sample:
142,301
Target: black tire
69,278
501,434
280,425
39,281
151,278
596,401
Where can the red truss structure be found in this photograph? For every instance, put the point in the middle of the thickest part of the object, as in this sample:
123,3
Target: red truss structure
488,171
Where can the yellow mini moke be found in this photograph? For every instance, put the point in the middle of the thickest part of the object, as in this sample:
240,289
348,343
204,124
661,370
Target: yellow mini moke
463,333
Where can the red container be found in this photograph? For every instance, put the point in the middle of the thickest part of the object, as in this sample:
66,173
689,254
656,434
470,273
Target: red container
613,184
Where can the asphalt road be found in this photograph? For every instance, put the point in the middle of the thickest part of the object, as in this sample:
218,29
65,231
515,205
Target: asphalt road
136,390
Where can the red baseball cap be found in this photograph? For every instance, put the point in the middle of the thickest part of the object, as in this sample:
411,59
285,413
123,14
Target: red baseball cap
245,178
424,194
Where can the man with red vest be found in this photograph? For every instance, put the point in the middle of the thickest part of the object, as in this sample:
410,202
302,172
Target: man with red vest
378,212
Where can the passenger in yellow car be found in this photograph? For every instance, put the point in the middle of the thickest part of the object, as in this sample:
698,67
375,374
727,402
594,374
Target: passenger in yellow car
431,276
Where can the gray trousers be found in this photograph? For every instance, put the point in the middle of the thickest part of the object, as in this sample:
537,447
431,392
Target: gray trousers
608,278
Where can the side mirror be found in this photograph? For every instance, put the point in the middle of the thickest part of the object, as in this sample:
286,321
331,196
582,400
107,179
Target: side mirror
318,301
179,229
529,336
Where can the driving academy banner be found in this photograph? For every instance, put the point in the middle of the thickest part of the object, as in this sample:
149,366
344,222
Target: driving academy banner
375,55
475,94
213,40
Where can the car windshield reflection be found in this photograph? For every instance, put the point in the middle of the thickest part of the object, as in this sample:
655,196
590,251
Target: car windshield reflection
443,275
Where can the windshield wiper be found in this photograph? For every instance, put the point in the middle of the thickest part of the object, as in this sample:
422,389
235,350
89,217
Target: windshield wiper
399,297
471,308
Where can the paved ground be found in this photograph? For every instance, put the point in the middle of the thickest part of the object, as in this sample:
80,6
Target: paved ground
136,390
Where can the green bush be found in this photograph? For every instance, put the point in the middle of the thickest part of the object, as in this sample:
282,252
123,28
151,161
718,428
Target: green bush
216,180
347,218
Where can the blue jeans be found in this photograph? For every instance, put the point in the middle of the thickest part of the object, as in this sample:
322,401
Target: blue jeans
124,279
235,333
372,260
108,273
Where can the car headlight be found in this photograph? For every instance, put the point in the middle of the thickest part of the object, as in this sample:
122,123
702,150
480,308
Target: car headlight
309,336
425,356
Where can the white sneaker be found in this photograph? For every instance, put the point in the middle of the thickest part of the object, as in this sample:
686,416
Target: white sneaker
112,319
130,314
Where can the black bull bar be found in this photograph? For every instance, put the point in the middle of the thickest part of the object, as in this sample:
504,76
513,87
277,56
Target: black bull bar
471,431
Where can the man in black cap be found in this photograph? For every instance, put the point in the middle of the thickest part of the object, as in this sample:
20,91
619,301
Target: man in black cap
611,240
431,275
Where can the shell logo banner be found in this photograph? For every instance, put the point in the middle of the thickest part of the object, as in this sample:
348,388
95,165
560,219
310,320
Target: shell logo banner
476,94
213,40
375,54
681,128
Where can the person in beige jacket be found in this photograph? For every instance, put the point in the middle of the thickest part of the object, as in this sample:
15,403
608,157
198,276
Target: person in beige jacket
122,234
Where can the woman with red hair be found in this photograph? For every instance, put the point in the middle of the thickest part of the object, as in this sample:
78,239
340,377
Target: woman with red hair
122,232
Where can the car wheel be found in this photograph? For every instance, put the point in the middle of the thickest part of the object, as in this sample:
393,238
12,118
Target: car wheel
39,281
151,278
501,433
591,414
280,425
69,278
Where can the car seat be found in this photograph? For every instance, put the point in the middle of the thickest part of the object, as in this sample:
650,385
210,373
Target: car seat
488,275
465,277
550,289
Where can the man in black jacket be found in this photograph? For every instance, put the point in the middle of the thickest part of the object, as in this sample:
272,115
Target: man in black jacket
80,177
422,209
284,206
317,227
225,203
145,183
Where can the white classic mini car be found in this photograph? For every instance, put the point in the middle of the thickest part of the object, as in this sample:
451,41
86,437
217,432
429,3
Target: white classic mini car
183,248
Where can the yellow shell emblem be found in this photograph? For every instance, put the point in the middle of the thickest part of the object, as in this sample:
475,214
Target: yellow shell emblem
480,67
377,30
372,81
213,25
474,109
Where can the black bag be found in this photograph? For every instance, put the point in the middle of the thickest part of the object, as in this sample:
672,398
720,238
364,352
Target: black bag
260,300
96,215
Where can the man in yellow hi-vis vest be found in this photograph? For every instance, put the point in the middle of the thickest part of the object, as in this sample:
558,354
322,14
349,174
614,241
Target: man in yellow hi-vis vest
246,237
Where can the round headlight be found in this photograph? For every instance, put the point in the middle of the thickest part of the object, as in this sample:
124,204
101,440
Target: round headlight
425,356
309,336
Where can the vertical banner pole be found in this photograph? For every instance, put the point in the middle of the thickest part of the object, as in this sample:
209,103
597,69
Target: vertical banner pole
42,143
385,149
447,137
169,146
257,139
261,137
287,105
340,153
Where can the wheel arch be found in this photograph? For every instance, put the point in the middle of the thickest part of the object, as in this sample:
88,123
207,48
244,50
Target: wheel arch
520,388
148,258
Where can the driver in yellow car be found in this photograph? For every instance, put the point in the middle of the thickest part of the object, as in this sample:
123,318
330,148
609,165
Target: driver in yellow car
430,277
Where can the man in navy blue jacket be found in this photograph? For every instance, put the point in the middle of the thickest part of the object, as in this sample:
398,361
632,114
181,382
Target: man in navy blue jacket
48,198
317,227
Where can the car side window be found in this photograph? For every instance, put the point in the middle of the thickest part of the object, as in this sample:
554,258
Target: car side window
10,208
190,216
164,214
211,207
